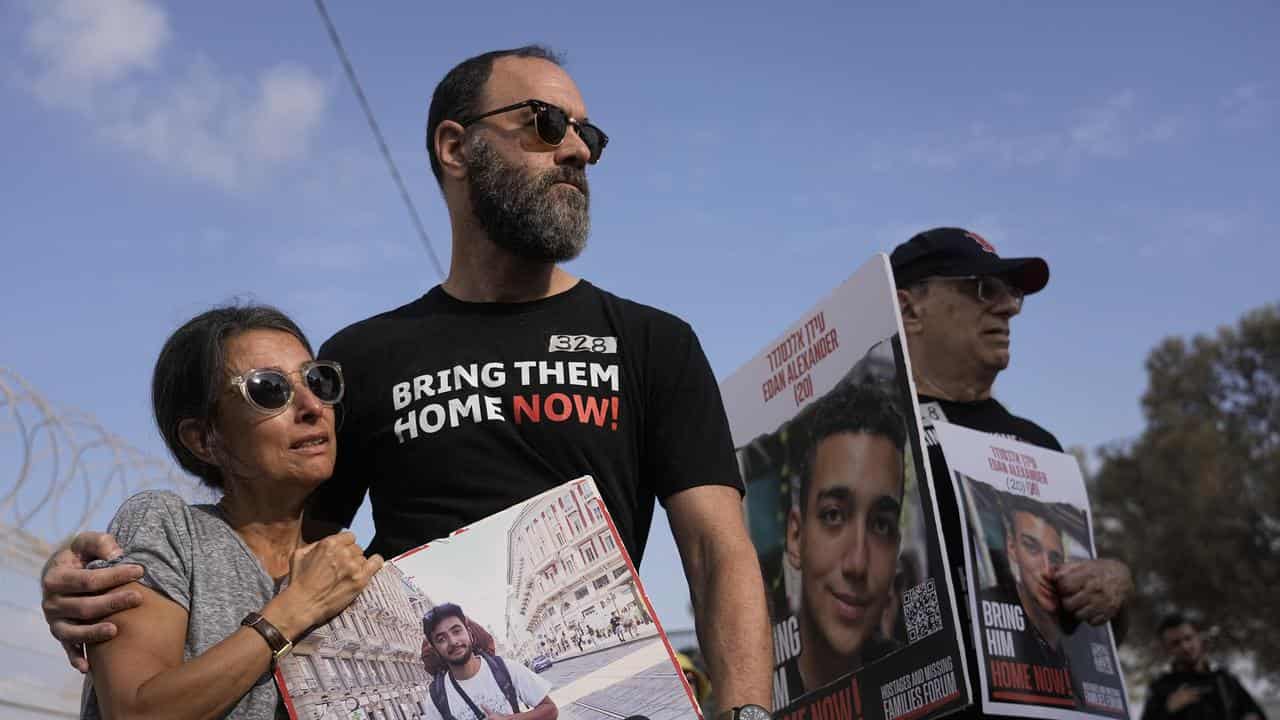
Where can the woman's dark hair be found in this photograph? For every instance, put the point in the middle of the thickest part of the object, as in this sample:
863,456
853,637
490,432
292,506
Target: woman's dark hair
191,373
456,96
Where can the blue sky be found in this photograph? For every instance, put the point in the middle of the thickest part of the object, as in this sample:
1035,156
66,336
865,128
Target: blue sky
164,157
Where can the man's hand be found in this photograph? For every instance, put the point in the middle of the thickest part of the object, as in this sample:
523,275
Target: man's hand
75,600
1093,590
1185,695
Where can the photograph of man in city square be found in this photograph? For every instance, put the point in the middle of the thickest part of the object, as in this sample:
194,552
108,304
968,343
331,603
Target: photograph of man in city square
535,609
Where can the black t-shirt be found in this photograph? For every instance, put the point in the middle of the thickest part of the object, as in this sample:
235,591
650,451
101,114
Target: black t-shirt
984,416
455,411
1222,698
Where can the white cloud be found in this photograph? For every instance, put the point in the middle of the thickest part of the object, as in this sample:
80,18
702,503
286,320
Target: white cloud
1247,107
1111,128
110,62
289,105
1163,130
1196,232
83,44
1101,130
210,128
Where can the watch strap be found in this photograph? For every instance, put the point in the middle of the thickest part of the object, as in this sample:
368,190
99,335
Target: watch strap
279,644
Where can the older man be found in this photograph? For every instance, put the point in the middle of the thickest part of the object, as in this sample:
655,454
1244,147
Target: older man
958,298
514,376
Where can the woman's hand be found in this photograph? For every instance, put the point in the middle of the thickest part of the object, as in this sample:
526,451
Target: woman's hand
324,578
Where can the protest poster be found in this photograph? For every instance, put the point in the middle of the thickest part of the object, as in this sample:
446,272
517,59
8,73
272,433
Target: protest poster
1023,511
544,592
841,509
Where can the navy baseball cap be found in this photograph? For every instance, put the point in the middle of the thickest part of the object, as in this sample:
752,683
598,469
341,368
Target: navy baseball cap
956,252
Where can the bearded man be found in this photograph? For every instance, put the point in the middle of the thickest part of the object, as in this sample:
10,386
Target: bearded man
513,377
471,679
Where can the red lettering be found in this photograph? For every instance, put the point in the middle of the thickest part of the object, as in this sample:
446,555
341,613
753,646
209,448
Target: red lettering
590,409
1052,680
845,711
558,407
523,408
565,407
1010,674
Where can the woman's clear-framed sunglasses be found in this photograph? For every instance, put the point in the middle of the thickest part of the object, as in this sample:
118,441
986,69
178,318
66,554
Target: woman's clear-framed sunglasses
552,124
270,391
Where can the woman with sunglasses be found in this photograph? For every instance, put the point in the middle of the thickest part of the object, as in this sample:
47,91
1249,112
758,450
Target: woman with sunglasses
241,404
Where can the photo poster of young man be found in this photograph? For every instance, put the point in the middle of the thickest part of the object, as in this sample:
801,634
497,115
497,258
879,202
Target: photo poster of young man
841,509
537,605
1025,511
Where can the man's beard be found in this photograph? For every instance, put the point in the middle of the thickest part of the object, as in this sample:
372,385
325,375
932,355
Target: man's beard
524,215
466,658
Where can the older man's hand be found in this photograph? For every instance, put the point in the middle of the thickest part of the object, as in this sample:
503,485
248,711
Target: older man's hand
1093,590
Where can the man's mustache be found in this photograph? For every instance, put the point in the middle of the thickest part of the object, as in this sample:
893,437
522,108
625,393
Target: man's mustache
576,177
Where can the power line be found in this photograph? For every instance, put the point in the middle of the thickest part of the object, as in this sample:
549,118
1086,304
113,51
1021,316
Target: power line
377,134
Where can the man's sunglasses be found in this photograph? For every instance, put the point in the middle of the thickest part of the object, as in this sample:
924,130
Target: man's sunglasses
270,391
989,289
552,123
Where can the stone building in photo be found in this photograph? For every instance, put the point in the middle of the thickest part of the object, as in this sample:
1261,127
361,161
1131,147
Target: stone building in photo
366,663
567,578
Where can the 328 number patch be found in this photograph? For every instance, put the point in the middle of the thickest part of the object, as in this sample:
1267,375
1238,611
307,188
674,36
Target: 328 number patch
583,343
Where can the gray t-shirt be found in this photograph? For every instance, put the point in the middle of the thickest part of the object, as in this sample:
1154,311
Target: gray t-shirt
192,556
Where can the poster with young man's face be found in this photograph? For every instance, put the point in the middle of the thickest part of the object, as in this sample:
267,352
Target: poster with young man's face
1025,514
841,511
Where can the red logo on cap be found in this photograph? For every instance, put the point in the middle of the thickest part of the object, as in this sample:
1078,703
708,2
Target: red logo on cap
986,246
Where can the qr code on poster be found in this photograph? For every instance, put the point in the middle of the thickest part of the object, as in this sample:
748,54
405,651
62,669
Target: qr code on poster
920,609
1102,659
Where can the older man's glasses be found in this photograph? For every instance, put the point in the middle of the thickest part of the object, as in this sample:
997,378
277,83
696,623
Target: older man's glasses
988,289
552,124
270,391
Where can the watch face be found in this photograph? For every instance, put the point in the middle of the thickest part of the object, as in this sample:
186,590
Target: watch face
752,712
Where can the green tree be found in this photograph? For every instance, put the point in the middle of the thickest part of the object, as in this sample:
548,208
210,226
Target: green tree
1193,504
